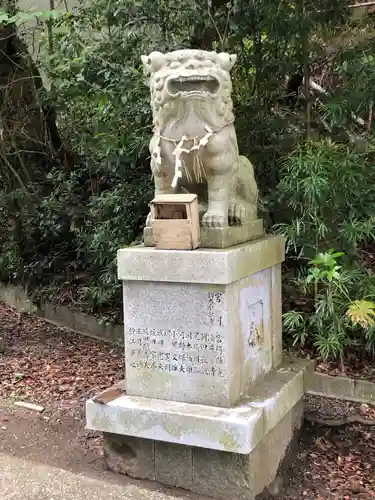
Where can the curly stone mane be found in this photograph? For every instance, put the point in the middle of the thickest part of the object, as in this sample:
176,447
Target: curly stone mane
190,82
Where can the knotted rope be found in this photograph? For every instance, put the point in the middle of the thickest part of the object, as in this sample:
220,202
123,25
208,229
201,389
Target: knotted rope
198,143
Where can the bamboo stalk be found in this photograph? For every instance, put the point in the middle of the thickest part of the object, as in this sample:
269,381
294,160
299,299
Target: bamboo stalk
49,27
321,90
370,113
364,4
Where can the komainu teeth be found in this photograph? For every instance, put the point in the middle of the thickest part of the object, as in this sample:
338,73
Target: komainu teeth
195,78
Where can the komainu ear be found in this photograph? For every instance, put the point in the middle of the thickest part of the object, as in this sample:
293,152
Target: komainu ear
146,61
227,61
233,60
153,62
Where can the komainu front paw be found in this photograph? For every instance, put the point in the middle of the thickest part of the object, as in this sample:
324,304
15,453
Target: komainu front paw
213,219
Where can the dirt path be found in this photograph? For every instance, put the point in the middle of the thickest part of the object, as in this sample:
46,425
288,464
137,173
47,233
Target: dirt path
64,444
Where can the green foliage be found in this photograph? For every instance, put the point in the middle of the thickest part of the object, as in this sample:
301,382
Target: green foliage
355,70
22,17
329,191
84,211
332,317
320,192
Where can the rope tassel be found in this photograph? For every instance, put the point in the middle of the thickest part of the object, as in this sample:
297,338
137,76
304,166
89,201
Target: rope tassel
198,167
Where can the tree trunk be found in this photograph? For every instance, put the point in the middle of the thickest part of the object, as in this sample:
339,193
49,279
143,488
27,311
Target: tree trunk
29,139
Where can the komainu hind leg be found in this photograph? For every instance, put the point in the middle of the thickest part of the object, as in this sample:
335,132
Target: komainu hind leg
244,194
236,213
240,212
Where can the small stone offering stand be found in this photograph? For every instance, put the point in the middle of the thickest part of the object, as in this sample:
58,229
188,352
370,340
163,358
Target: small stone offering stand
208,403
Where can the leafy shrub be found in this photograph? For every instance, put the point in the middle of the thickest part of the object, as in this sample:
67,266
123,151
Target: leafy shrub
337,311
84,210
328,190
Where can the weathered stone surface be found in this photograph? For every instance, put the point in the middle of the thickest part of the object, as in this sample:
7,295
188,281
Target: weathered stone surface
174,465
250,306
279,391
364,390
201,343
18,298
223,475
338,387
220,237
129,456
178,343
85,324
80,322
194,146
234,430
277,326
204,377
206,266
273,449
211,347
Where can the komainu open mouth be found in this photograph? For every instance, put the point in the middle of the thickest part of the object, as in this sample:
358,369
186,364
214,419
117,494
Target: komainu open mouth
193,84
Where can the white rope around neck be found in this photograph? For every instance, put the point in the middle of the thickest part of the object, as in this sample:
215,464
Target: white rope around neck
198,166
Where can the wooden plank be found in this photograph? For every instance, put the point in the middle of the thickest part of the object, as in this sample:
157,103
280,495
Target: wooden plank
174,198
108,395
29,406
195,226
172,234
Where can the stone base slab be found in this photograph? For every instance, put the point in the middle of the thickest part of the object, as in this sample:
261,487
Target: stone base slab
214,473
232,430
219,237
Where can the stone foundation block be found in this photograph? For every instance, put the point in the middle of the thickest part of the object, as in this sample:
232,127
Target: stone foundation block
235,430
214,473
173,465
226,453
129,456
242,477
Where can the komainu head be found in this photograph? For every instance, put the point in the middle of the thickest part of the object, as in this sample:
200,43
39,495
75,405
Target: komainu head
190,75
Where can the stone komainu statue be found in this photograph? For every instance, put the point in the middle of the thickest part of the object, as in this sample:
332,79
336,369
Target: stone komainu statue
194,147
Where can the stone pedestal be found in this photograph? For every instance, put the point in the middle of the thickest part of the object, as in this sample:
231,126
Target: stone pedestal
208,329
207,396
